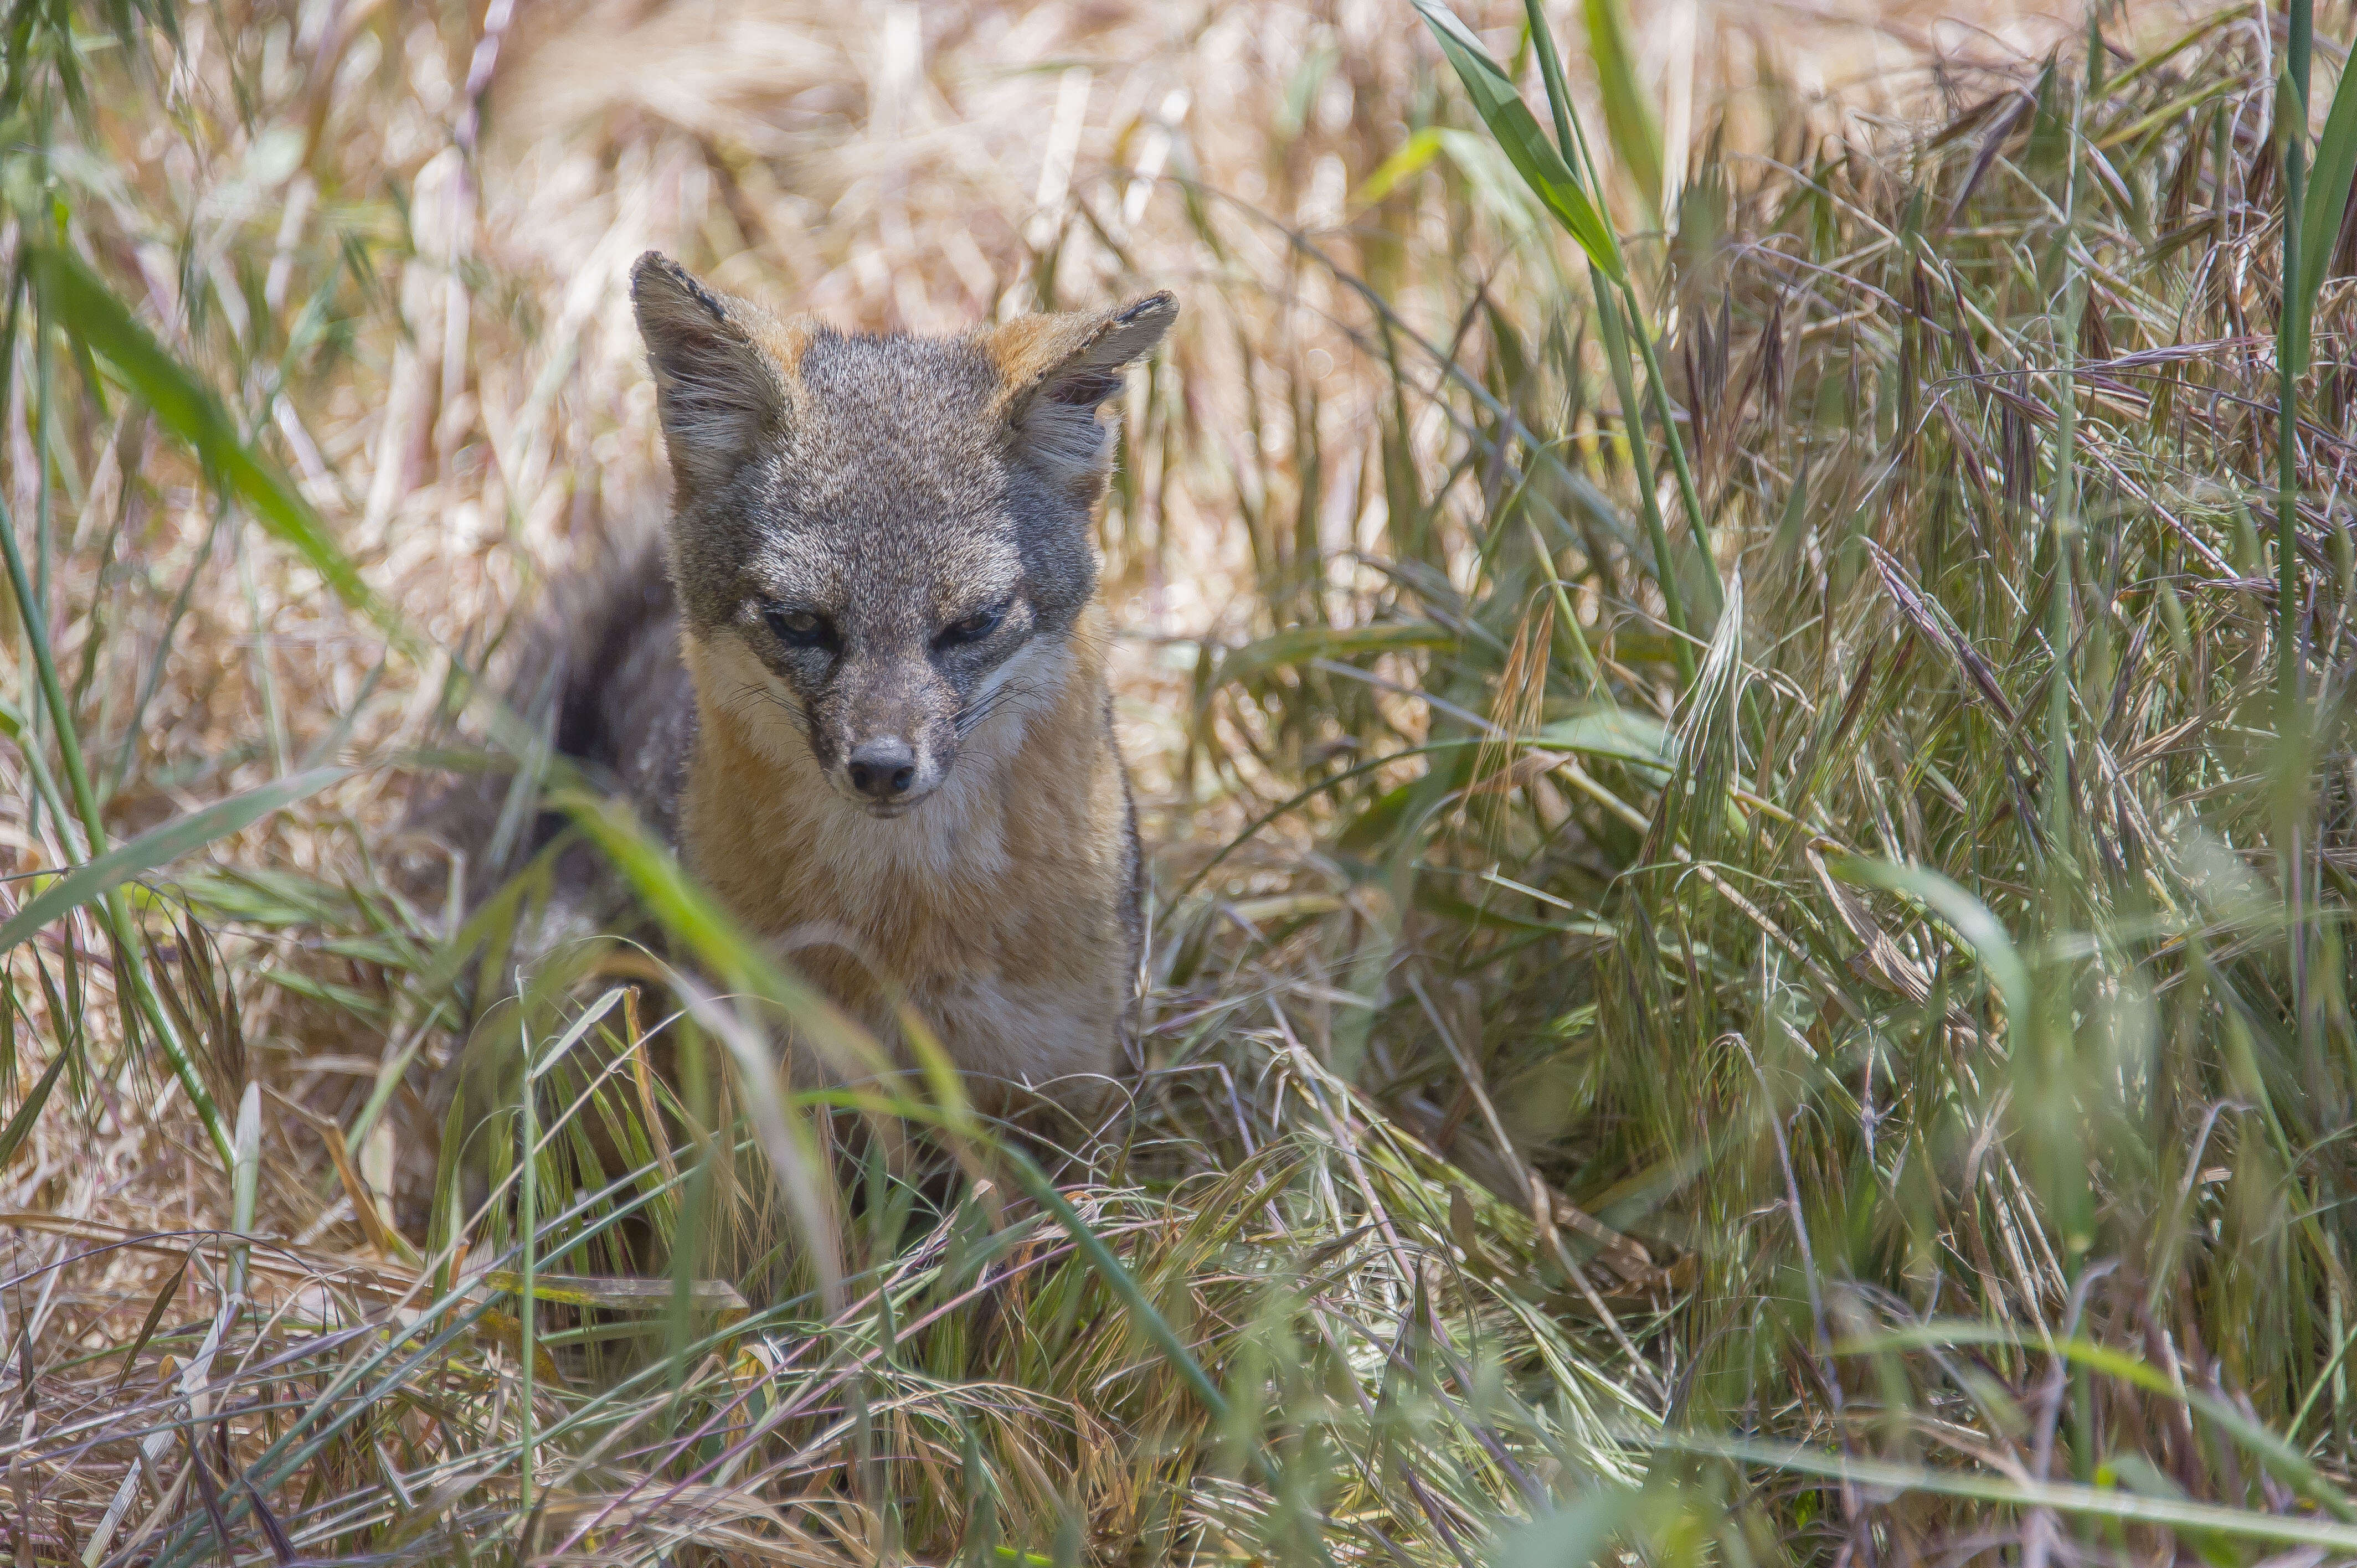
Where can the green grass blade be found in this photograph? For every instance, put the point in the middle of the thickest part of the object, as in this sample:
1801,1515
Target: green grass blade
1962,913
1616,733
694,916
1629,117
166,1295
1299,645
1535,157
2326,202
527,1308
20,734
1411,159
2062,1497
124,929
1567,1537
30,1112
2278,1455
184,405
161,845
1657,528
1551,75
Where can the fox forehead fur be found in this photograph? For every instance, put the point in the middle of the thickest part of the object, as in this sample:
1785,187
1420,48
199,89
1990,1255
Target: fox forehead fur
880,546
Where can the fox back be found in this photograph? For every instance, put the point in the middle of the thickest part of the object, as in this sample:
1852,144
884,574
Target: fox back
904,770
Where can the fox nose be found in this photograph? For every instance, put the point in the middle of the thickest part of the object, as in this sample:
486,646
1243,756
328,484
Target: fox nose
883,770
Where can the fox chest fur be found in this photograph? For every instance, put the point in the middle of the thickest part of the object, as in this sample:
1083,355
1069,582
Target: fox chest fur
1005,908
904,775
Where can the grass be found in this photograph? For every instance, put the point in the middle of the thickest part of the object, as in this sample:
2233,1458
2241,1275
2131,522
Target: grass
1750,960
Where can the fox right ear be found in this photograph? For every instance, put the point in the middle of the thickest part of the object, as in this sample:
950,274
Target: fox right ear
1056,371
717,389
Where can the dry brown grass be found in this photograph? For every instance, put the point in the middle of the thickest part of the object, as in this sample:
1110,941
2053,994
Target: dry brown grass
468,411
485,414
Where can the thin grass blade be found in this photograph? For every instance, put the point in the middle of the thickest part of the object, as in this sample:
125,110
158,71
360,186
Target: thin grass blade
160,846
2324,204
1628,118
30,1112
1964,914
1535,157
189,409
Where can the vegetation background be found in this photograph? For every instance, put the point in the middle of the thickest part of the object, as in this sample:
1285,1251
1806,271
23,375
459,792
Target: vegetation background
1741,698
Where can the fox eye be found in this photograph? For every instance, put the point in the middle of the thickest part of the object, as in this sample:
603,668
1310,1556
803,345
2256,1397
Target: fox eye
799,629
974,628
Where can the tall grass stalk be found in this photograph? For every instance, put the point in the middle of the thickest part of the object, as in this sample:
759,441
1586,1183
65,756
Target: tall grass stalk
2291,354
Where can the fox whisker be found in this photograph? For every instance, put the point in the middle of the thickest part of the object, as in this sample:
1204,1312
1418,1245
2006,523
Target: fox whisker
764,694
974,714
747,693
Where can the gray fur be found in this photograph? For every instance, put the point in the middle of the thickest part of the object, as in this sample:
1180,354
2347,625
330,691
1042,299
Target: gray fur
893,487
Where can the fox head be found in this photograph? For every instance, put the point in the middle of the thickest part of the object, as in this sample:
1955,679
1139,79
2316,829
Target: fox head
878,542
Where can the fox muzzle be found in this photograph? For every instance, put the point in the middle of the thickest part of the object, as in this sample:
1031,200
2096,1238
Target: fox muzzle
883,770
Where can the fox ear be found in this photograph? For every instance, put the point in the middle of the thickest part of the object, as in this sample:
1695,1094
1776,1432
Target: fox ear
717,389
1057,370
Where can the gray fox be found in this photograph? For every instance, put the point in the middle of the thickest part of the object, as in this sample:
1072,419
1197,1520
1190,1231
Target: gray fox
866,698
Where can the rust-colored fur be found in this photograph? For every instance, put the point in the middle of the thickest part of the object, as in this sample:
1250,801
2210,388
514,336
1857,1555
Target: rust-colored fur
997,908
904,772
864,694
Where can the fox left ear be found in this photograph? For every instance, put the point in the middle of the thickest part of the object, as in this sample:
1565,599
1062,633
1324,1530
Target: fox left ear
717,390
1057,372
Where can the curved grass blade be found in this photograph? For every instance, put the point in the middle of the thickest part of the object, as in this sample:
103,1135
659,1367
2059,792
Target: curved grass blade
1609,730
694,916
2062,1497
1131,1295
189,409
1962,913
1122,1283
156,1310
1567,1537
1535,157
1629,117
1301,644
161,845
1413,156
27,1113
2285,1462
2327,201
